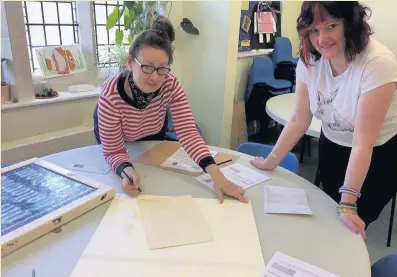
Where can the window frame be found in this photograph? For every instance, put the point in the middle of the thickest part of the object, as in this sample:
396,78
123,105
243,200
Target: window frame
28,24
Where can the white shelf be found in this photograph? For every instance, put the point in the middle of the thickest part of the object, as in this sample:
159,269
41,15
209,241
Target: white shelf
254,53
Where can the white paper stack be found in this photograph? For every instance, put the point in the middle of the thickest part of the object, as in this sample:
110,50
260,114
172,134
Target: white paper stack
283,200
237,174
282,265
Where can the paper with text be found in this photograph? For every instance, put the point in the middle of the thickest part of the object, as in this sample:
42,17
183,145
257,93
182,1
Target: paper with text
181,160
286,200
282,265
237,174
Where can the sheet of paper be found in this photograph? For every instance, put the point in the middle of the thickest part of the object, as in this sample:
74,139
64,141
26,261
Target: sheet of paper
282,265
119,245
181,160
286,200
102,168
237,174
172,221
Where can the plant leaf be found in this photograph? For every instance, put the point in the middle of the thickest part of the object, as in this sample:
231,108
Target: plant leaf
113,18
119,36
129,17
130,38
139,8
151,3
130,5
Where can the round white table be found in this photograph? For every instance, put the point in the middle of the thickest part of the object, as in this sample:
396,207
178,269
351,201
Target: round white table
280,109
321,239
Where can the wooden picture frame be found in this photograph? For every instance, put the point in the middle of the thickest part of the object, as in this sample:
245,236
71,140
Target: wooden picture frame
43,206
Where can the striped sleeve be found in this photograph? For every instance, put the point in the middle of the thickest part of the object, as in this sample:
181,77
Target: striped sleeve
185,127
109,122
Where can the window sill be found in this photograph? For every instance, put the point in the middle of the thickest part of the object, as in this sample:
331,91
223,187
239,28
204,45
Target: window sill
254,53
63,96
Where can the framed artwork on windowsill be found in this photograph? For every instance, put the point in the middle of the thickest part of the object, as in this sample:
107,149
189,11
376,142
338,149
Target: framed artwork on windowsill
55,61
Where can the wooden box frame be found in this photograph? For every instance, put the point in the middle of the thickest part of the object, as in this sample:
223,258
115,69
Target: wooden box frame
25,234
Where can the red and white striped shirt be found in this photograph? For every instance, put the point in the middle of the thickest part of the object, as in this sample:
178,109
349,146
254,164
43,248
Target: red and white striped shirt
119,121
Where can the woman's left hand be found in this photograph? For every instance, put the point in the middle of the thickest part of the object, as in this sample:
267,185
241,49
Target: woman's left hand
354,222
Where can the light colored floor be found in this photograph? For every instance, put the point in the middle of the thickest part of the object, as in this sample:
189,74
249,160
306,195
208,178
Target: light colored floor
377,231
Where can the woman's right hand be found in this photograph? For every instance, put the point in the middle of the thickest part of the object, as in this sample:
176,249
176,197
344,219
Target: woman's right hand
265,164
131,189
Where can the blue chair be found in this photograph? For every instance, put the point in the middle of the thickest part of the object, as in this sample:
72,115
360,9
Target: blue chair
262,72
283,51
290,161
385,267
170,133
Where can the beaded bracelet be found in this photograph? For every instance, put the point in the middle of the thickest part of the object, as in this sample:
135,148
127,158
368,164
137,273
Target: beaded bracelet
345,207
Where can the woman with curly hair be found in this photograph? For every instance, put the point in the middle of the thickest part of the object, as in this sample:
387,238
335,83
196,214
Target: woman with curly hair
348,80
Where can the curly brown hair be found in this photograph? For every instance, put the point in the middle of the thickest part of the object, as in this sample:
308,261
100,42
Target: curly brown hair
354,16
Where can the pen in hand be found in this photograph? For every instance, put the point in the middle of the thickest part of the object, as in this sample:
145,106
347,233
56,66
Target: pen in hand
131,181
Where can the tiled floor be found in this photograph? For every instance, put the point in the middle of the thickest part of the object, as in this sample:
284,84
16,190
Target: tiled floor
377,231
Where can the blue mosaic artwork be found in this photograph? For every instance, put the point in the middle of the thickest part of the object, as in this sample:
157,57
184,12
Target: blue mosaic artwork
32,191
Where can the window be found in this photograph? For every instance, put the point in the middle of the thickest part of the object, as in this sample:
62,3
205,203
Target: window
104,40
49,23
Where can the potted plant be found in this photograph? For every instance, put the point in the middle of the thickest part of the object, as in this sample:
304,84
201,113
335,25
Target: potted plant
138,16
5,88
5,92
46,93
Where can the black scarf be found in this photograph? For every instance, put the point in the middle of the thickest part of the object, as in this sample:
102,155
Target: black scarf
140,99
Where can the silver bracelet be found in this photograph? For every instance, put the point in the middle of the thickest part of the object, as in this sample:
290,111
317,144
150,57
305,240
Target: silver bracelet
273,155
345,189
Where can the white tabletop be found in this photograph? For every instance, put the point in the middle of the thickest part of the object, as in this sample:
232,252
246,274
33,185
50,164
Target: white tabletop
280,109
321,240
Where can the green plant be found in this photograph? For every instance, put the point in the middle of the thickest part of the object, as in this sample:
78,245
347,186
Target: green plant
137,16
46,92
117,55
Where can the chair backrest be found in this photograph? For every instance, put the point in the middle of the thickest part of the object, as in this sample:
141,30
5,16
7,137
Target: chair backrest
282,50
385,267
290,161
262,69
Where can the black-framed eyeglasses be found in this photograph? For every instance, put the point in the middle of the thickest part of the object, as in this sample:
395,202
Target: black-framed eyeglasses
149,69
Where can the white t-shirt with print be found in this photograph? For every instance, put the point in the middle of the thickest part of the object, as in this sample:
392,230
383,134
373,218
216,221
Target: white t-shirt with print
334,100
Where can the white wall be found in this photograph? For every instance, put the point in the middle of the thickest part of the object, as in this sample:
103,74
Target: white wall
209,66
384,21
290,13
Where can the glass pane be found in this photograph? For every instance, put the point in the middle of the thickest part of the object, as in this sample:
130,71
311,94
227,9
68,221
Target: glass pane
125,39
112,35
67,35
37,35
36,63
52,33
102,54
65,13
101,35
50,12
34,12
100,14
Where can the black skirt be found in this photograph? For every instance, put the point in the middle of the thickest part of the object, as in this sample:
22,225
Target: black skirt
380,184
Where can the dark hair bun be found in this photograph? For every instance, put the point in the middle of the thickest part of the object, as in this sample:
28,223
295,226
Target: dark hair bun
164,27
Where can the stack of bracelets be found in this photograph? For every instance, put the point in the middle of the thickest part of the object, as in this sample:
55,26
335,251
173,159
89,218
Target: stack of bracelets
348,207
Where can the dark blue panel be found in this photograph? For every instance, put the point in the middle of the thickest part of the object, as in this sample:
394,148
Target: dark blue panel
32,191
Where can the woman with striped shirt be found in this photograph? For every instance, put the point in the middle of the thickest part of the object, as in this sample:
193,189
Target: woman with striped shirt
132,107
